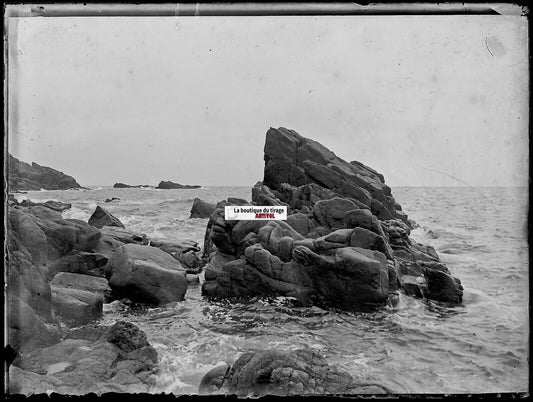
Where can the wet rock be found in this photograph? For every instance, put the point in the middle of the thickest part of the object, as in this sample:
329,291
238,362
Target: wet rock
273,372
201,209
113,359
146,274
111,199
102,217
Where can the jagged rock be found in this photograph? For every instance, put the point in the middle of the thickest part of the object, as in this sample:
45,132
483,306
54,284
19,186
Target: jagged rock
201,209
22,176
345,243
273,372
146,274
168,185
293,159
113,359
102,217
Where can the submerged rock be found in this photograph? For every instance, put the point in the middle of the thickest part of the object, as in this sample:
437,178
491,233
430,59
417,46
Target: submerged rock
272,372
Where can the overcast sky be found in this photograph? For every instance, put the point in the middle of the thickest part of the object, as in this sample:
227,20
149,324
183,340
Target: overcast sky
425,100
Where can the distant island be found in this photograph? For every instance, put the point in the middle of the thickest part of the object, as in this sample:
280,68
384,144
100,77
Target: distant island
122,185
164,185
168,185
25,177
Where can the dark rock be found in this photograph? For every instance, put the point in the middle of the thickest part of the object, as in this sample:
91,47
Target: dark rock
273,372
146,274
102,217
85,263
122,185
111,199
53,205
22,176
201,209
345,242
168,185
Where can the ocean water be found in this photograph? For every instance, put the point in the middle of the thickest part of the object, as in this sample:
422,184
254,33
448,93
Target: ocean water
419,347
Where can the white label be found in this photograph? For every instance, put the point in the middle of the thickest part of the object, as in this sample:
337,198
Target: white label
255,212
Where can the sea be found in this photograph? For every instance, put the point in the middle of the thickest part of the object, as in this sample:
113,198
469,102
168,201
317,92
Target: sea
419,346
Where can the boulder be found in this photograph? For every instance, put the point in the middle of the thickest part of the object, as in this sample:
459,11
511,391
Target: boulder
146,274
112,359
75,306
102,217
82,282
284,373
201,209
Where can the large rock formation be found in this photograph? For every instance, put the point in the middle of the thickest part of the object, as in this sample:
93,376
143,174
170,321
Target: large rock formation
169,185
272,372
25,177
345,242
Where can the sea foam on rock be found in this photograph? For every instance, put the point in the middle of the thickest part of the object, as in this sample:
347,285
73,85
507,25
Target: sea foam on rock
345,242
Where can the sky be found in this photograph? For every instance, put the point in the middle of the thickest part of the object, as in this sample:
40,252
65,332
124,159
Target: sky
424,100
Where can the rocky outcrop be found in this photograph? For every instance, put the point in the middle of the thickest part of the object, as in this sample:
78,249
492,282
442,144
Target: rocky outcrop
146,274
169,185
25,177
272,372
93,360
345,242
122,185
102,217
53,205
201,209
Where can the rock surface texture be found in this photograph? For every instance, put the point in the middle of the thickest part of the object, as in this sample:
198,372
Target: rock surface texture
272,372
25,177
345,242
201,209
100,359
